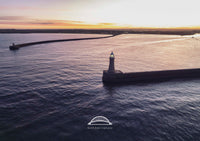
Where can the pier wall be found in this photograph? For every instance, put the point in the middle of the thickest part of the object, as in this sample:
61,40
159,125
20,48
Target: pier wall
149,76
17,46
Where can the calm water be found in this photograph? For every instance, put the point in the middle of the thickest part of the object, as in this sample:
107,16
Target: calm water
51,91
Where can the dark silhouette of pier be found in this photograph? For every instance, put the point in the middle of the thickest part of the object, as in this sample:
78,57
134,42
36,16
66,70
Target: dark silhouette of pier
17,46
112,76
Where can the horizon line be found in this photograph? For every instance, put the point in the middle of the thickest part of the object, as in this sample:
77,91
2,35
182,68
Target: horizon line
122,28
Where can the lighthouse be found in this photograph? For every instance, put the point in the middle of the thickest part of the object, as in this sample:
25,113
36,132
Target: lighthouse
111,68
111,73
112,76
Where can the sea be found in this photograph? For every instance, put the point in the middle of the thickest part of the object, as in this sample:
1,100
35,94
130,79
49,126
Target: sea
50,92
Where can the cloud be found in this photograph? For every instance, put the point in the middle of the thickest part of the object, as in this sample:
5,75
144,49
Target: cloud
11,18
54,22
21,19
11,7
17,21
107,24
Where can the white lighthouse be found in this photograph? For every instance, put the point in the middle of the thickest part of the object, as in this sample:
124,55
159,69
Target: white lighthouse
111,68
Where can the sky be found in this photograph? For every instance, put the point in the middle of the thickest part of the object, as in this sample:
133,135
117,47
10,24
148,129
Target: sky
67,14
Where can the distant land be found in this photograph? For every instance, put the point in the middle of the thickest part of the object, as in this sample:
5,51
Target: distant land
106,31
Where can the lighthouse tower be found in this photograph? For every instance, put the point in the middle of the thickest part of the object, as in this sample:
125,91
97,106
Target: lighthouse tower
111,68
111,74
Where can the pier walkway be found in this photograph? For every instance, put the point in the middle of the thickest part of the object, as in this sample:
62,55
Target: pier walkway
17,46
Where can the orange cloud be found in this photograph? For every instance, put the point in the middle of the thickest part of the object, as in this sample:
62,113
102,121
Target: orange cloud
20,22
23,22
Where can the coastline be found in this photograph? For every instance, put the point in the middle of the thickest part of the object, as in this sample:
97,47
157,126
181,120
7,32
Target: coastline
105,31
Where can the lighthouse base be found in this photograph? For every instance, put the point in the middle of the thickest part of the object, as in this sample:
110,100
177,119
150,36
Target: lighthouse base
111,76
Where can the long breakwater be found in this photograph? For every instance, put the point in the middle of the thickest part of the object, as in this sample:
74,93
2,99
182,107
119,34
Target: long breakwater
17,46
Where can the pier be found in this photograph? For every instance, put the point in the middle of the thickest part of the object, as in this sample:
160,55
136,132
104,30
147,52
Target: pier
111,75
17,46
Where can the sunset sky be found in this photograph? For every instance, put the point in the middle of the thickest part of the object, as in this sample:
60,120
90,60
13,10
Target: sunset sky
64,14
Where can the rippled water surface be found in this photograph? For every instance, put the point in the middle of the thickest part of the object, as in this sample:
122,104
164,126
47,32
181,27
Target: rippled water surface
51,91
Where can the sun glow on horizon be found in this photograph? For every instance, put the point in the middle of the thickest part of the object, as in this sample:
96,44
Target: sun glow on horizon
95,14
